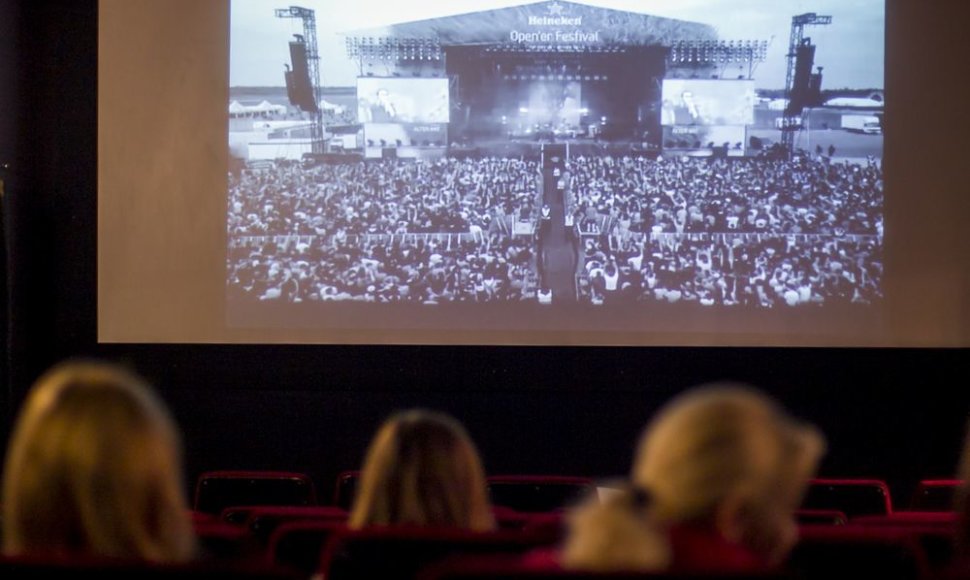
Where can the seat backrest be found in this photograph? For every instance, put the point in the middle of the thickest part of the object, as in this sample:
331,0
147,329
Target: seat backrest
217,490
552,527
509,519
299,545
853,497
31,568
345,489
222,541
830,517
399,552
935,495
262,521
934,531
515,568
938,520
853,551
539,493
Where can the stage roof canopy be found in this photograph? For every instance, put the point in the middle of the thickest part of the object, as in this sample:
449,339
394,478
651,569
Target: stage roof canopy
615,27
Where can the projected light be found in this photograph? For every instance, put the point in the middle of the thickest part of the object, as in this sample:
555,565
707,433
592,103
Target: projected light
663,88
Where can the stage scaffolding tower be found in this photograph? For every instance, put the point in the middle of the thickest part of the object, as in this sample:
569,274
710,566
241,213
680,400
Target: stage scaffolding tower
793,94
309,19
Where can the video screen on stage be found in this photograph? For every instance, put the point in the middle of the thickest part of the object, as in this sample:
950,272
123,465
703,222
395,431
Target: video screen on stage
502,172
394,100
708,102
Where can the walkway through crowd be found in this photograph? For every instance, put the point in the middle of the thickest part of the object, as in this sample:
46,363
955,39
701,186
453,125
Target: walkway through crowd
557,270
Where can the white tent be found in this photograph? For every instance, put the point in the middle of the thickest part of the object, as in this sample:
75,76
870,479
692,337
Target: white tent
265,107
328,106
855,103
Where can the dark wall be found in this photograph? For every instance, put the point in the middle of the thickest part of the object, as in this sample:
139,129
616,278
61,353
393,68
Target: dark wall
897,414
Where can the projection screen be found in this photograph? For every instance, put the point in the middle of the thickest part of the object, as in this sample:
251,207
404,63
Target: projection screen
493,172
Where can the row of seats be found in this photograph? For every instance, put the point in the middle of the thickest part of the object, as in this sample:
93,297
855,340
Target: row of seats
217,490
308,540
877,548
862,535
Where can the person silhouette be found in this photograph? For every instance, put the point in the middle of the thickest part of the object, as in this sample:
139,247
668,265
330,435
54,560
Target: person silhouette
383,110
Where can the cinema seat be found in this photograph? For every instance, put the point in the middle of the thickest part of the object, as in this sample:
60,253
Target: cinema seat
399,552
854,551
830,517
217,490
225,542
345,489
240,515
299,545
935,495
36,568
506,567
934,531
935,520
509,519
539,493
547,527
262,522
853,497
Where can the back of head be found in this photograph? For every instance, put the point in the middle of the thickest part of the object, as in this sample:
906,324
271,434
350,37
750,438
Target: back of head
726,458
422,469
616,534
94,467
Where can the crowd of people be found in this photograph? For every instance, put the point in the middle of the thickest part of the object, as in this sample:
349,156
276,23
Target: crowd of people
407,268
382,197
756,270
94,465
804,195
758,232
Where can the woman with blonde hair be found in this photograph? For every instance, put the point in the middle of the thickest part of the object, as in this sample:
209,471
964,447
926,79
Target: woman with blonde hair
422,469
94,468
717,478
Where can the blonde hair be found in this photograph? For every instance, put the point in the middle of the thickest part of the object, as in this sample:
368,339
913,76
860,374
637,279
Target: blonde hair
422,469
94,467
728,443
710,447
615,535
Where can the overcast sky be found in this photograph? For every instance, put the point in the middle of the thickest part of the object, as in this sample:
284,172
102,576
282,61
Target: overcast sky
851,49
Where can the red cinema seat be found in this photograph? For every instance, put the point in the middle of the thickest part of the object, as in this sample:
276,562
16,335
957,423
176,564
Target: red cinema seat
217,490
549,527
400,552
222,541
299,545
38,568
509,519
830,517
515,568
345,489
853,497
854,551
934,531
935,495
263,521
